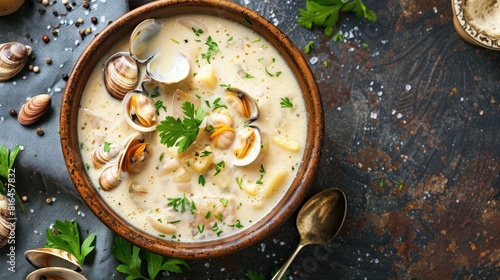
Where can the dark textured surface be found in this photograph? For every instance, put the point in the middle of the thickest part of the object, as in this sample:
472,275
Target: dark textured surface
405,100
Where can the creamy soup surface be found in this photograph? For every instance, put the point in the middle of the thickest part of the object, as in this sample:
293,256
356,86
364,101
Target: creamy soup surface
201,194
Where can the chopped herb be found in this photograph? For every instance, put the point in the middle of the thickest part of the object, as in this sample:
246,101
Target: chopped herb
364,45
156,93
106,147
173,40
262,172
257,40
87,166
181,133
326,13
205,153
325,64
159,220
246,21
237,224
7,158
219,217
81,145
277,74
182,203
227,86
248,76
219,166
159,105
239,181
224,201
213,48
201,180
162,235
208,214
230,39
173,222
161,156
286,103
216,229
201,228
197,32
399,184
217,105
338,37
309,46
381,183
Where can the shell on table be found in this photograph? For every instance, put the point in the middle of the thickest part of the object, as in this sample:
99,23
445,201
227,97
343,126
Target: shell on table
13,57
51,257
55,273
7,220
34,109
121,74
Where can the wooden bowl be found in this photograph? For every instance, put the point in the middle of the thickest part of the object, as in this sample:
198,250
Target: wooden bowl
224,245
468,32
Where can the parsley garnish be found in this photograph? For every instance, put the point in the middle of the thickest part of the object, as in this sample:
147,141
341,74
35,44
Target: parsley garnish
217,105
68,239
326,13
236,225
219,217
7,159
132,258
201,228
197,32
248,76
182,203
201,180
226,86
338,37
213,48
205,153
224,201
181,133
239,181
286,103
216,229
106,147
159,105
219,166
309,46
262,172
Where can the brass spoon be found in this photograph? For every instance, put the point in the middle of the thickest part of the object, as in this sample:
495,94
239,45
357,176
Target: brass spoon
319,221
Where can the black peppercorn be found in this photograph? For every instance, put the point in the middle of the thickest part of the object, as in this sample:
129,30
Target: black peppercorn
13,112
93,20
39,131
46,38
65,77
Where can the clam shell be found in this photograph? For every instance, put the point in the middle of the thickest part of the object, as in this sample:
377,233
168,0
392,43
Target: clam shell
156,69
111,178
248,146
100,157
34,109
50,257
7,220
139,111
139,43
13,57
121,74
55,273
243,103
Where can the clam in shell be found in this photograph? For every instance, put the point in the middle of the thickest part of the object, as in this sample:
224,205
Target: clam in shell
180,70
7,220
139,111
50,257
13,57
34,109
55,273
121,74
247,147
243,103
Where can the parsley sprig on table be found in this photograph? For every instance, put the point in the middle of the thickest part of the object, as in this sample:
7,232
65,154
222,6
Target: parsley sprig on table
181,133
7,158
325,13
68,239
132,259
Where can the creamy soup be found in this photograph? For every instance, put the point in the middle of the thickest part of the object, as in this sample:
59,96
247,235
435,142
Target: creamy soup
228,178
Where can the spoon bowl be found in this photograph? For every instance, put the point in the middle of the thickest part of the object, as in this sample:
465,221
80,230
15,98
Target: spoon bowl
318,221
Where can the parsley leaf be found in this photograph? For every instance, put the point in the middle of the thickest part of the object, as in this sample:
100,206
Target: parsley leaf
286,103
159,105
325,13
68,239
132,259
7,158
309,46
213,48
181,133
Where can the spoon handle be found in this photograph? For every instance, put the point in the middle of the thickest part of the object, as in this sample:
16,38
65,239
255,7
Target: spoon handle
285,266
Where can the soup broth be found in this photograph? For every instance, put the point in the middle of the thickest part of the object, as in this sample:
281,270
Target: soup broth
203,192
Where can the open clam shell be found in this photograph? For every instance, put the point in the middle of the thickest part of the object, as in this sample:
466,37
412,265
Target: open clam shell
247,146
55,273
139,111
50,257
121,74
13,57
139,43
180,70
242,103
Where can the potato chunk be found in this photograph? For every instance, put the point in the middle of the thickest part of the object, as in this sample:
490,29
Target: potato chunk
200,161
272,181
207,76
286,143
